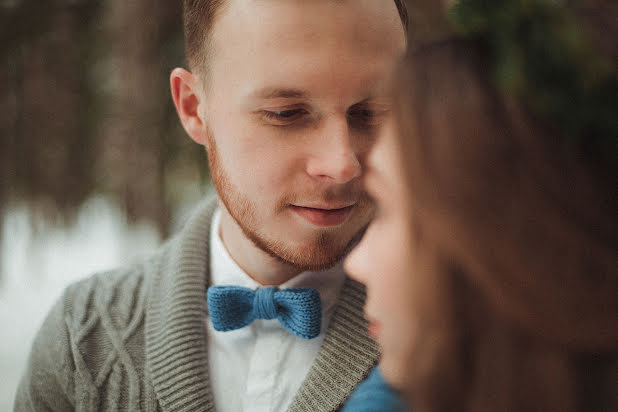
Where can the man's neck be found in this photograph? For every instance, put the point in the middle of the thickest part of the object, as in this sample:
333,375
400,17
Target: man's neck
259,265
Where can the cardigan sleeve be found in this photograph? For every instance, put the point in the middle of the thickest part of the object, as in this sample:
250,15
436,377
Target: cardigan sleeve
47,384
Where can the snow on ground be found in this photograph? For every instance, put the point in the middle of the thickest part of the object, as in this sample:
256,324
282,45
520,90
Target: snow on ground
36,268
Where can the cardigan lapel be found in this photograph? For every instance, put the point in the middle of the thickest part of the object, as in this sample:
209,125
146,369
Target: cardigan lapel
176,339
345,359
176,342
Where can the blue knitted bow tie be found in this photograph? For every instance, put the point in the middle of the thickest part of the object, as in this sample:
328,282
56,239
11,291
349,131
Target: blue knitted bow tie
298,309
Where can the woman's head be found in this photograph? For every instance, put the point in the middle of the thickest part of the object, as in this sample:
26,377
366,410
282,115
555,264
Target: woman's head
498,237
384,260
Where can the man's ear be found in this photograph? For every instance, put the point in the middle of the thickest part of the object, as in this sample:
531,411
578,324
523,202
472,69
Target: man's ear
186,96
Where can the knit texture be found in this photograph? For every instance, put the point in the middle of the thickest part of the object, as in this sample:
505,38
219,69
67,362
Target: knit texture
134,339
298,309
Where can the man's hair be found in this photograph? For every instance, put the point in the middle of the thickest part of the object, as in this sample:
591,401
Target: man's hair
198,20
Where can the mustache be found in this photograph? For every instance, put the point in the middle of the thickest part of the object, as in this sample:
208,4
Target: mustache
341,194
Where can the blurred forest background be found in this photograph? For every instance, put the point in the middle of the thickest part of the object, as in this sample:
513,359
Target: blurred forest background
85,110
95,168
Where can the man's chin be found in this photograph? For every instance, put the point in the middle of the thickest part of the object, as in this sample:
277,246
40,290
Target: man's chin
316,261
325,250
318,254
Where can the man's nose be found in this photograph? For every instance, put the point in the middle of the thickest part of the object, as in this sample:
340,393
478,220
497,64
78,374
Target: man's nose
334,157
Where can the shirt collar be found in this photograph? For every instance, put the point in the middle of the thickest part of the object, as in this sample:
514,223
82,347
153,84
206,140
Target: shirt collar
225,272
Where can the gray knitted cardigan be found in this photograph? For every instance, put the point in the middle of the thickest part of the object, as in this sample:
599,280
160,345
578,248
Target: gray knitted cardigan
134,339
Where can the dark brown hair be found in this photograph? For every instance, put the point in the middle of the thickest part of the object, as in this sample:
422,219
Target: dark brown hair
198,20
526,231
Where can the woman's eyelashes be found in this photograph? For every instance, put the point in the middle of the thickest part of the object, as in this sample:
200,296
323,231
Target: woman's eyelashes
365,116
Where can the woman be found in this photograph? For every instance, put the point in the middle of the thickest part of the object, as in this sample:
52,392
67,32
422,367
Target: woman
491,266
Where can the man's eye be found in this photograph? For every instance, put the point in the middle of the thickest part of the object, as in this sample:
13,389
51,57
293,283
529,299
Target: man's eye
283,117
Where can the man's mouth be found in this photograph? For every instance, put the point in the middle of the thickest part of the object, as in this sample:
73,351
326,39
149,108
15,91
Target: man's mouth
323,216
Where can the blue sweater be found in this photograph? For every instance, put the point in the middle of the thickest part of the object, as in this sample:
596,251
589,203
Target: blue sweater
374,395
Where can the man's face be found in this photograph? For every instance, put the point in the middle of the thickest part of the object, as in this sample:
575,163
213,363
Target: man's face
294,99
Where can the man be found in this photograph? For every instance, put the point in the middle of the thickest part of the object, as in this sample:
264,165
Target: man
286,97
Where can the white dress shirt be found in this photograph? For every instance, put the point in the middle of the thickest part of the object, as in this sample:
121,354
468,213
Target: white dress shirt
260,367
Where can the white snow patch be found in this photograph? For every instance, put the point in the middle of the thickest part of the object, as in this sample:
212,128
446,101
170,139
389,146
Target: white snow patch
36,269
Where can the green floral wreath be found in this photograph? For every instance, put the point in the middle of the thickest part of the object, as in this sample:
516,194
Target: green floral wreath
541,56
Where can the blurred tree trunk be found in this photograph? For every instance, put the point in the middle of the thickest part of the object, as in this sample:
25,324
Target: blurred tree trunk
57,143
46,126
133,152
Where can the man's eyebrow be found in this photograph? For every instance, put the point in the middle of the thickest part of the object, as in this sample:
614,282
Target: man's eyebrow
278,93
